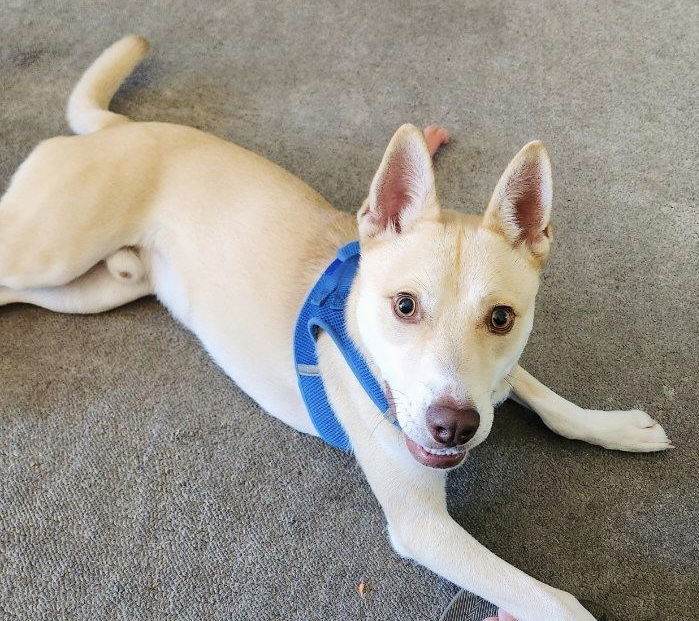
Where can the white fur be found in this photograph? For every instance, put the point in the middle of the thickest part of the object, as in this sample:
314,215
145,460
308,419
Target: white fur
231,243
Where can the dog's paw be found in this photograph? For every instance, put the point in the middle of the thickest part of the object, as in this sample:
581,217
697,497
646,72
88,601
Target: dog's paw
626,430
435,137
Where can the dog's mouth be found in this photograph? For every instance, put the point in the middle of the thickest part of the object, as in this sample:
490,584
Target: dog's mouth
433,458
436,458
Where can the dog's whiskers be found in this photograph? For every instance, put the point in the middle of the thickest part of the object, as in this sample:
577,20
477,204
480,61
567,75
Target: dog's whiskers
380,418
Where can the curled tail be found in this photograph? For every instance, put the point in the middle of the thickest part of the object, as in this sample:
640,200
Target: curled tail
87,106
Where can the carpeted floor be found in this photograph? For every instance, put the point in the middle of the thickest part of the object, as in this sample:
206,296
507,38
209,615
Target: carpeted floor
137,482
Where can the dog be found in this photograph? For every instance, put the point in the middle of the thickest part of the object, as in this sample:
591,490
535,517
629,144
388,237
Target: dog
441,306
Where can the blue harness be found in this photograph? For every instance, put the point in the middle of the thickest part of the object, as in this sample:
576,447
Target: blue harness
324,309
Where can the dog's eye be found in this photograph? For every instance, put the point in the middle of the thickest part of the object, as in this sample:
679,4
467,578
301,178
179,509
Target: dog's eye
502,318
405,305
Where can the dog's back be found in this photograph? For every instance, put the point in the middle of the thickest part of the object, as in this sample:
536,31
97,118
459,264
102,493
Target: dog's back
207,223
89,195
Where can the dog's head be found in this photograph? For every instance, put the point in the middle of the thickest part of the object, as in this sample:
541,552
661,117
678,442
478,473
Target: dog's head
445,301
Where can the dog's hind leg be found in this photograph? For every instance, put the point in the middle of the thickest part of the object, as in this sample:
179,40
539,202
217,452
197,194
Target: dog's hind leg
62,213
107,285
66,206
622,430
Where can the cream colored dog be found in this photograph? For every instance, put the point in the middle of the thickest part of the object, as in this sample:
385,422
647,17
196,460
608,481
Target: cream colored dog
230,243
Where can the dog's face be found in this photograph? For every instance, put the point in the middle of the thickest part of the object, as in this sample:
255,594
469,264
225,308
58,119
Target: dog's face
445,301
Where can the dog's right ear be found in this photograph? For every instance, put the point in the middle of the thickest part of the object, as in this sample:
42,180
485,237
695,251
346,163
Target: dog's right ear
402,191
520,209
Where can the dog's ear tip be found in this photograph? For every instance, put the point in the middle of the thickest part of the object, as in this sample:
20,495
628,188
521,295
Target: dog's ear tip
536,149
407,128
407,133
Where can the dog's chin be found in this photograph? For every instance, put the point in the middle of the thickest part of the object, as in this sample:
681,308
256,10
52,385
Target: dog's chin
433,460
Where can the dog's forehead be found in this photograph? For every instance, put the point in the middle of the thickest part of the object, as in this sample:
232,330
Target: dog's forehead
491,268
453,256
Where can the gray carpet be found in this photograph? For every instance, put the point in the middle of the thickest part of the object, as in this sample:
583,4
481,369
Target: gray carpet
137,482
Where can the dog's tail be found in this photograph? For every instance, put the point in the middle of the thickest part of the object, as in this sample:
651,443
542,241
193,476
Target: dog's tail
87,106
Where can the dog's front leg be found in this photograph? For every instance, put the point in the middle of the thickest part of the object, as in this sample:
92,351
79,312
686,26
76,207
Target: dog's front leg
623,430
414,501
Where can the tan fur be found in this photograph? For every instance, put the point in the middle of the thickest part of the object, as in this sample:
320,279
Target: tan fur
231,243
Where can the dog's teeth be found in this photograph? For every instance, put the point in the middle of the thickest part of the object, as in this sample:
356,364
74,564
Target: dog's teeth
444,451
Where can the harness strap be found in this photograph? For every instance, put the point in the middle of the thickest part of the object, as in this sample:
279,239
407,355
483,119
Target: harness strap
324,309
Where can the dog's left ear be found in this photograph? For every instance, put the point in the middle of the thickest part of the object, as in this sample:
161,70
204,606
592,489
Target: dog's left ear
520,208
402,191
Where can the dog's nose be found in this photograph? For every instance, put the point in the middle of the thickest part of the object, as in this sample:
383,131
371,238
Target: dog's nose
451,424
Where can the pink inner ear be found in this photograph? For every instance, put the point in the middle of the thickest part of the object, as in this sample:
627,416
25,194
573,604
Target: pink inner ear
394,193
527,201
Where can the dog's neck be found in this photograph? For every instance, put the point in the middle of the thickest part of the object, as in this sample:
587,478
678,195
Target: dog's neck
337,230
352,325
